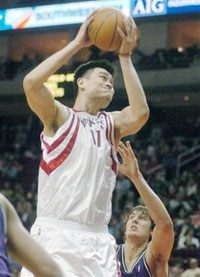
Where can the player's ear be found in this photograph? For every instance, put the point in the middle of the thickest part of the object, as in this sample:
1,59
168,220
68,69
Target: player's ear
80,83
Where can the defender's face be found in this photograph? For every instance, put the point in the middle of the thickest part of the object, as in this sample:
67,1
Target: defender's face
138,225
98,85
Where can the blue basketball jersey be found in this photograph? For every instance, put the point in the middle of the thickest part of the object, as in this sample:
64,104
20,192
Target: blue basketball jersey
139,268
4,263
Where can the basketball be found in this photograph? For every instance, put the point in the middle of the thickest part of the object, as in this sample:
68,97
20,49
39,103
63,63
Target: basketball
102,30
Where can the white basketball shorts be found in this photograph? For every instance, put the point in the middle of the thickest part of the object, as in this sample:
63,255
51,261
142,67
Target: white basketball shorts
80,250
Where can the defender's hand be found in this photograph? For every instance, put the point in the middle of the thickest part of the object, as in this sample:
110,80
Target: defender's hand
129,166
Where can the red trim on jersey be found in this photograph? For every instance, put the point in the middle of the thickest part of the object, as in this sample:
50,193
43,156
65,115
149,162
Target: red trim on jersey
45,143
44,166
107,130
56,162
111,130
118,266
114,163
59,140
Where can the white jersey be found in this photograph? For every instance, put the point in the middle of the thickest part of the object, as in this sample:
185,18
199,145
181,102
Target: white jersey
78,170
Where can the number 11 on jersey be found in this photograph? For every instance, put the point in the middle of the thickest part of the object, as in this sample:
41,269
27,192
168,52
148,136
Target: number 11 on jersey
96,137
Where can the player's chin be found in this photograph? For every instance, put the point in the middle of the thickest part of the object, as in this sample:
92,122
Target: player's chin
106,101
132,235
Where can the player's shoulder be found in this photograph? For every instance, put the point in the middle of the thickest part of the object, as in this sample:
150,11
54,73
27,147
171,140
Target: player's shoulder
115,116
60,105
2,198
119,248
3,202
63,112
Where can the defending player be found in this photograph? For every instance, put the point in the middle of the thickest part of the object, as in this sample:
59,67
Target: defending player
146,250
78,168
21,246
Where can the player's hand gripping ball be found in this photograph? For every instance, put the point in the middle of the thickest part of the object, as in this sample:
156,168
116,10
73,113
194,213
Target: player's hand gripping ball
102,30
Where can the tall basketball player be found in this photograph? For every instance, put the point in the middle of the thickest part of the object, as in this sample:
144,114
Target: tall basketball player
78,167
27,252
146,250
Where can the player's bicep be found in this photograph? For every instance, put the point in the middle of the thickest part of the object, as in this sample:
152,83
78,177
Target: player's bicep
161,244
41,102
125,123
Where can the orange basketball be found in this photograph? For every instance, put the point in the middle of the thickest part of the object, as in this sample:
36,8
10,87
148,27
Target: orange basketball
102,30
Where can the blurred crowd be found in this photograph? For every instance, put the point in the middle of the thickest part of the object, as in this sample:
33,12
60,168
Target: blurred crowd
160,59
175,180
169,58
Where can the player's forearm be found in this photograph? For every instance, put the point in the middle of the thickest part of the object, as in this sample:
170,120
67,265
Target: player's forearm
135,92
153,203
44,70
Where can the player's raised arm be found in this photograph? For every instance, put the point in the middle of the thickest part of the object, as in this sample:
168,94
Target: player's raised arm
24,249
38,95
157,253
132,118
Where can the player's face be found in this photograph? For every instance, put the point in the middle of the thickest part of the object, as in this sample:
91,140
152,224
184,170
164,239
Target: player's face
138,226
99,86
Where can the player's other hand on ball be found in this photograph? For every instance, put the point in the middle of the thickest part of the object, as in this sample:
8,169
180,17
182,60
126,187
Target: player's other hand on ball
82,38
129,39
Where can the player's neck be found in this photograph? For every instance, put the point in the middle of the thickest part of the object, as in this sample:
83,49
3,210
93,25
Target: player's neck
81,105
133,250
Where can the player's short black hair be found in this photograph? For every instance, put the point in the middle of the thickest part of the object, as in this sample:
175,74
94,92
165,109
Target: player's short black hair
83,68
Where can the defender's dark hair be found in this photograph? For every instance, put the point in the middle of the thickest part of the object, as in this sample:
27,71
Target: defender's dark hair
83,68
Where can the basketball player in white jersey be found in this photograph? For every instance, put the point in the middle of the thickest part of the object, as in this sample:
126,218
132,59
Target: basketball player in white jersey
78,167
26,251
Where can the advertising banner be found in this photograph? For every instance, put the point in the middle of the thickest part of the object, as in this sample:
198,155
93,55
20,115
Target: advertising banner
76,13
55,15
146,8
